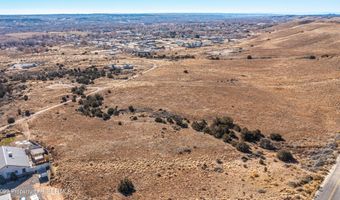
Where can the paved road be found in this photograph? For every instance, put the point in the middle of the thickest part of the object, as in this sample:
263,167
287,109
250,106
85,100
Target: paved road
330,189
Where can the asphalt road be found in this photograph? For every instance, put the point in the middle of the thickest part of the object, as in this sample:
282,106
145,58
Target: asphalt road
330,189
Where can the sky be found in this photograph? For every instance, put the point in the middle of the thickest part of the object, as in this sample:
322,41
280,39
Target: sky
169,6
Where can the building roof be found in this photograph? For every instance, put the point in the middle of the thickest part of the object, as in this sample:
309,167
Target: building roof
37,151
6,196
13,156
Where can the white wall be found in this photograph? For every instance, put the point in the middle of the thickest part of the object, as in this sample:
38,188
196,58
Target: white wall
40,167
6,171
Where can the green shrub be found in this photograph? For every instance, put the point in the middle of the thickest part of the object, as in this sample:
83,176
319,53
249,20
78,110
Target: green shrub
109,75
11,120
257,135
134,118
285,156
126,187
221,126
159,120
207,130
237,128
74,98
99,97
179,121
227,138
27,113
113,111
261,162
84,80
276,137
251,136
228,122
243,147
266,144
63,99
219,131
106,116
3,90
97,112
170,120
110,111
132,109
199,125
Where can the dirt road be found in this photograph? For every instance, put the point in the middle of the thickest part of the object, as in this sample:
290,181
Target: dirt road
98,89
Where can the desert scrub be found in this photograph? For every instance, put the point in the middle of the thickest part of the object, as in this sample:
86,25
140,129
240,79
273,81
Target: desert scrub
243,147
276,137
126,187
285,156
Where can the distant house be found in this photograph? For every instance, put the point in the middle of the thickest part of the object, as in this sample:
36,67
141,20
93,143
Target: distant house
24,66
143,54
128,66
16,160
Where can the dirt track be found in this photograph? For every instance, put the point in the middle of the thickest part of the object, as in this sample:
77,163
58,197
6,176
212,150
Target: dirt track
97,90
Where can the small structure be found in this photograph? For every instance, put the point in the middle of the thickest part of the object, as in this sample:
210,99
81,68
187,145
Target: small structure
143,54
128,66
38,155
117,67
24,66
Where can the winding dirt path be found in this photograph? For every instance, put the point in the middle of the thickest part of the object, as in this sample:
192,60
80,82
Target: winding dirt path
98,89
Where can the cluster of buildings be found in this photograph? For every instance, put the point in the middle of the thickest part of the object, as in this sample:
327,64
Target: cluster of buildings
151,38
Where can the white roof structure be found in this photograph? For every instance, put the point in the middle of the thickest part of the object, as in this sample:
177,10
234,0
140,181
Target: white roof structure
37,151
13,156
6,196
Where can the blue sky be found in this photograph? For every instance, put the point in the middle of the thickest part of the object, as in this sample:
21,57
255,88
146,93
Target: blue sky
169,6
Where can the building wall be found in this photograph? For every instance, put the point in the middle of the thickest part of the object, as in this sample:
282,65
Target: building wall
6,171
41,167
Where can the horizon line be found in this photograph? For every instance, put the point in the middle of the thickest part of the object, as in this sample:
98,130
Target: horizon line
160,13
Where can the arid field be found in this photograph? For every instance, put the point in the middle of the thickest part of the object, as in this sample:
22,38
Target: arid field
284,79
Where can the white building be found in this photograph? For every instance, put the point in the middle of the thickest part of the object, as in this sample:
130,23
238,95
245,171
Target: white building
24,66
15,160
